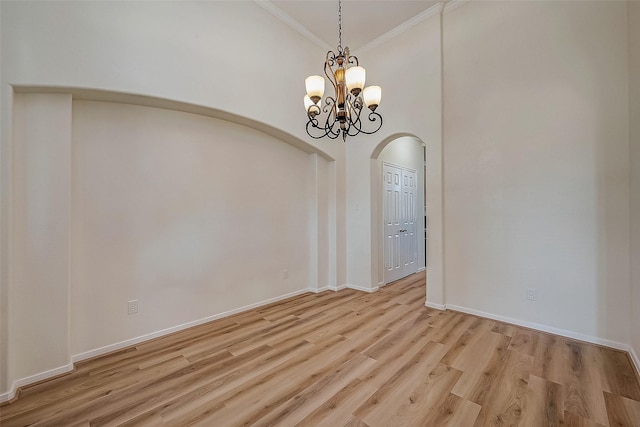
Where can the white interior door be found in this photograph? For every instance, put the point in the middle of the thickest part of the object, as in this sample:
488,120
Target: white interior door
399,213
392,188
409,239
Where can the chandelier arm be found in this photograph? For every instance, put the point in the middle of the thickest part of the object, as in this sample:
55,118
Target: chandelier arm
316,131
329,103
330,124
354,109
330,110
356,106
333,134
373,117
312,124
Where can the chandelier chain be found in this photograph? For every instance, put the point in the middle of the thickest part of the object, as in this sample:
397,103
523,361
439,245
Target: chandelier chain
339,26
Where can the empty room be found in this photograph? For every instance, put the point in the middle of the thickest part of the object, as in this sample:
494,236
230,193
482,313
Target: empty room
320,213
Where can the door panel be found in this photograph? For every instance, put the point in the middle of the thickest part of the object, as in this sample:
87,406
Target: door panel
399,208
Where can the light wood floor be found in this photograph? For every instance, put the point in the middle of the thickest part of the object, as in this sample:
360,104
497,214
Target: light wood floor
344,359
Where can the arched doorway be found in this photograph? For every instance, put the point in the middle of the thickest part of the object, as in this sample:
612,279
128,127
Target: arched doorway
398,207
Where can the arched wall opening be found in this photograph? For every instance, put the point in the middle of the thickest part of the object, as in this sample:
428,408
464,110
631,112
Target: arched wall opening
407,151
119,197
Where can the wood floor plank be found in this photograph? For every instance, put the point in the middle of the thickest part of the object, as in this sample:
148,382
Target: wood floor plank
618,374
125,404
431,392
453,411
250,383
302,328
150,420
400,386
41,409
571,419
343,358
503,391
201,395
467,340
583,388
544,404
479,364
356,422
524,341
340,407
394,359
304,403
412,329
548,358
457,326
622,411
505,329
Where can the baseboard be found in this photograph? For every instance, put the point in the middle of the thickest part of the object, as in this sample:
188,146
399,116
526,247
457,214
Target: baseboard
142,338
363,289
4,397
544,328
434,305
133,341
421,269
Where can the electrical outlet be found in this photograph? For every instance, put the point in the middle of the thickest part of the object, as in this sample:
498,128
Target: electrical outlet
285,274
531,294
132,306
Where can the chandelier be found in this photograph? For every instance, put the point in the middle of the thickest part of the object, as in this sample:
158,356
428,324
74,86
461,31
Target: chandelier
343,108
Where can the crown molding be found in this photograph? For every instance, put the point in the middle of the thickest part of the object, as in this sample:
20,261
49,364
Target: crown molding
433,10
295,25
438,8
453,4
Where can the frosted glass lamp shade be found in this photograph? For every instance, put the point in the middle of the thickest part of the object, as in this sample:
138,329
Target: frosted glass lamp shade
312,108
315,87
355,79
372,96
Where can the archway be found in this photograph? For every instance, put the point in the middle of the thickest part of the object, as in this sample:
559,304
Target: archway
405,151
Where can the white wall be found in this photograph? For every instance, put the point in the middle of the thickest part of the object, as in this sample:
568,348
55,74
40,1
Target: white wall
634,140
190,215
536,163
39,296
408,69
322,267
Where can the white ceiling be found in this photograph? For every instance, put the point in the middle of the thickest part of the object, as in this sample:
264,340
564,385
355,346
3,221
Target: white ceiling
362,20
